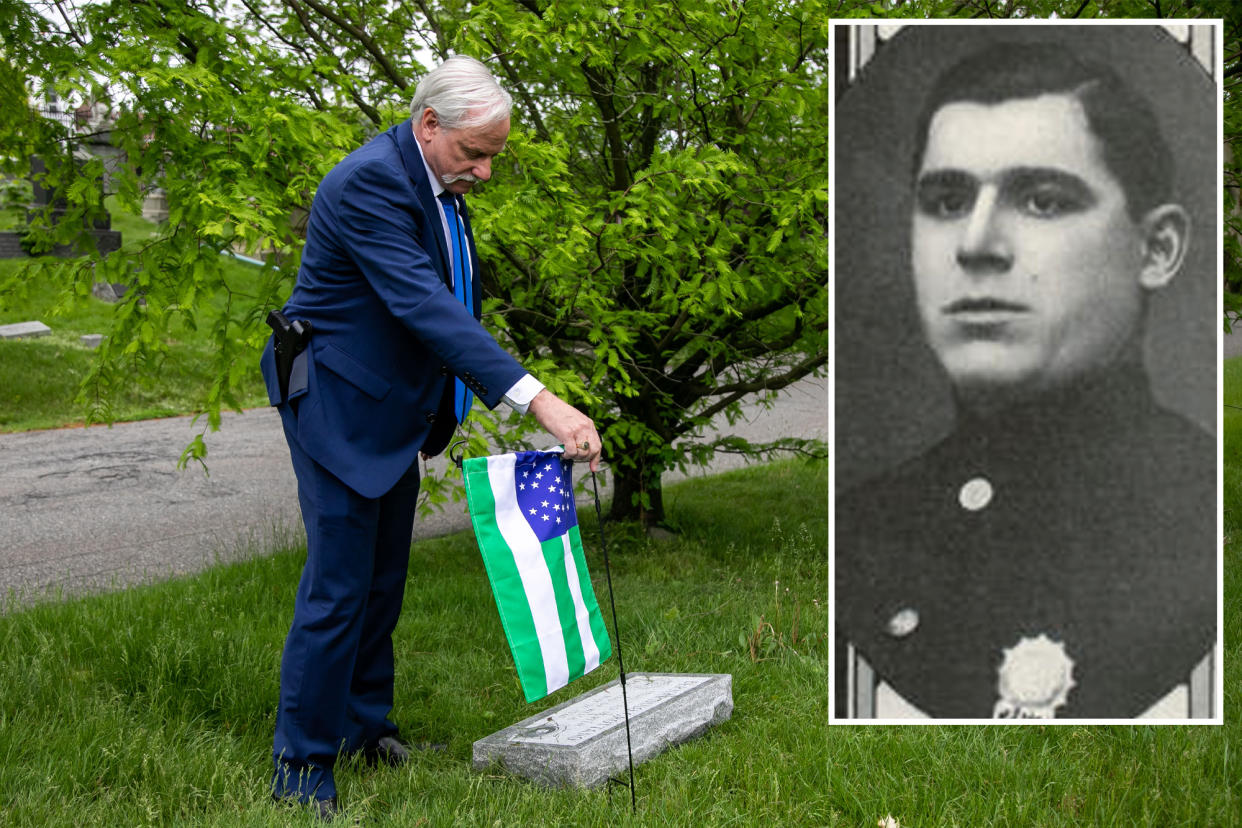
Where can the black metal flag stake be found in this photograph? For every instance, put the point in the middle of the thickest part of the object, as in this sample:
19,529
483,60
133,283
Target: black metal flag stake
625,704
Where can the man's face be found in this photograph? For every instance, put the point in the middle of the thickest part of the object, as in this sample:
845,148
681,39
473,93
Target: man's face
1026,263
460,157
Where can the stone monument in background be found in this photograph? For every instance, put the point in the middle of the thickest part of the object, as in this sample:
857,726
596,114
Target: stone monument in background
101,233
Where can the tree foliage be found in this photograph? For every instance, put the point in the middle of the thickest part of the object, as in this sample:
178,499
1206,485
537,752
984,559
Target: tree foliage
654,238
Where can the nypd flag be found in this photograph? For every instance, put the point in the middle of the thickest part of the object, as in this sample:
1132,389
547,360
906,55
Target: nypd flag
522,508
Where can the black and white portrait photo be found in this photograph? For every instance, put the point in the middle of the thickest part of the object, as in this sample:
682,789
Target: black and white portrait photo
1026,314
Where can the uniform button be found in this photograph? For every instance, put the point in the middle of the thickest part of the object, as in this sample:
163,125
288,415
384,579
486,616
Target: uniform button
444,370
975,494
903,623
431,417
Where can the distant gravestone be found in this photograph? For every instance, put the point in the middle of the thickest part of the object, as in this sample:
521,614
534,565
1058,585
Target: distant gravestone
101,233
582,742
91,341
155,205
20,330
110,292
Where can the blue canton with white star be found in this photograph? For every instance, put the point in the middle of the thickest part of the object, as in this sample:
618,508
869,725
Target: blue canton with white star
545,493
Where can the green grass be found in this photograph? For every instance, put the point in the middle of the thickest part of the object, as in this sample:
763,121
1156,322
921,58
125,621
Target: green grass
155,705
1233,446
40,378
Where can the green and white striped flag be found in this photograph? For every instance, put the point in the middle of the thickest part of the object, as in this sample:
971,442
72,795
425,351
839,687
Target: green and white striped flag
522,507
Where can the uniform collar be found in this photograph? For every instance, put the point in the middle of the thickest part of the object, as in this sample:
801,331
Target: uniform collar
1096,404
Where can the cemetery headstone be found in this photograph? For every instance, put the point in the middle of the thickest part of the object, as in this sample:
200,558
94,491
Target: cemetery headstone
155,205
582,742
101,233
110,292
21,330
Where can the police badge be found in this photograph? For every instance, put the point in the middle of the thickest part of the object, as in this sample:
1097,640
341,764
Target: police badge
1033,680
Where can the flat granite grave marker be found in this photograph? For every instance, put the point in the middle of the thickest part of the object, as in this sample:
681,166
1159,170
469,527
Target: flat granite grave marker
22,329
581,742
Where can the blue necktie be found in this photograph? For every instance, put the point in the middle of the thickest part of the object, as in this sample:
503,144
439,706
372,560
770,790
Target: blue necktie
461,289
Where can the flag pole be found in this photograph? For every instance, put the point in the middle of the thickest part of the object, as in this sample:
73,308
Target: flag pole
625,704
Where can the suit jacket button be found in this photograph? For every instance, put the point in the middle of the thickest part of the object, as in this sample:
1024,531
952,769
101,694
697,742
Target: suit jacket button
431,417
444,370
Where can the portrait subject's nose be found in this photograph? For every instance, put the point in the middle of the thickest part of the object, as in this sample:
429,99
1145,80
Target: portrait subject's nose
983,248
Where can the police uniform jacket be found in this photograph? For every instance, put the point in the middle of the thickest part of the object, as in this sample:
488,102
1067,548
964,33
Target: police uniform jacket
1054,559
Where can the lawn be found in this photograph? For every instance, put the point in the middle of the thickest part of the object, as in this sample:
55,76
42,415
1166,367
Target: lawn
154,706
41,377
1233,447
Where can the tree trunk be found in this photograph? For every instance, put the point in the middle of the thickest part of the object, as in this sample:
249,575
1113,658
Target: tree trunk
626,507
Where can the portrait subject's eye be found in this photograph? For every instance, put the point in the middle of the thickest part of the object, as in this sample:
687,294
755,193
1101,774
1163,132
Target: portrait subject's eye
1049,194
946,197
1049,202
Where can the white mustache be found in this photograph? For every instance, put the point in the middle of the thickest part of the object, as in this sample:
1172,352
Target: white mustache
449,179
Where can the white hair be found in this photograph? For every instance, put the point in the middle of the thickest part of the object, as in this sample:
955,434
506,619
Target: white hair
462,93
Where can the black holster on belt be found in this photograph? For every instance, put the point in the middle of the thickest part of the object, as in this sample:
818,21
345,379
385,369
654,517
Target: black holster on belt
291,339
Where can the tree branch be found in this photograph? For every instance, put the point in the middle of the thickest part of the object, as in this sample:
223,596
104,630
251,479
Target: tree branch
69,26
601,90
371,112
737,391
436,29
515,83
363,38
690,367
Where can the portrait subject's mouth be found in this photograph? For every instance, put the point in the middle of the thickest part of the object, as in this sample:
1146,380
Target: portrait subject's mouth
984,317
984,307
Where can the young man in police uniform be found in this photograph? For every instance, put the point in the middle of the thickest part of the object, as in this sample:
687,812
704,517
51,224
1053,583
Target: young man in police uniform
1055,556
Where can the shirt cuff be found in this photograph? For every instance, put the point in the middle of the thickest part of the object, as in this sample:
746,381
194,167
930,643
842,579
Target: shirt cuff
523,391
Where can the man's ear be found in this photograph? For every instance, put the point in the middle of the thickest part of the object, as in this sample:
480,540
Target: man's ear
428,121
1166,233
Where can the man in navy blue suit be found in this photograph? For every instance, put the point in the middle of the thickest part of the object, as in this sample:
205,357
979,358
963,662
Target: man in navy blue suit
389,286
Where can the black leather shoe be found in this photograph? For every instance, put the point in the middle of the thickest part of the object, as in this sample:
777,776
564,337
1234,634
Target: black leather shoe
325,809
392,751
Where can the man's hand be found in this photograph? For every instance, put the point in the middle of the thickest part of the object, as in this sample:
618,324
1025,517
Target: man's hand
569,426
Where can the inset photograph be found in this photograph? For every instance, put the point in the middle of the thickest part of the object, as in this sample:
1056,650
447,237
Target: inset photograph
1027,307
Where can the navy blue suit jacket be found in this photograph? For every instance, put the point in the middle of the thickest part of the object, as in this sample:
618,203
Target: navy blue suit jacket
389,334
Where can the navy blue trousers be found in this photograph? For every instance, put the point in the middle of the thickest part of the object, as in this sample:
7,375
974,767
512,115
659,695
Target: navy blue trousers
336,674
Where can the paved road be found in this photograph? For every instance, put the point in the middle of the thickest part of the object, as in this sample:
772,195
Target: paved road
1232,343
84,509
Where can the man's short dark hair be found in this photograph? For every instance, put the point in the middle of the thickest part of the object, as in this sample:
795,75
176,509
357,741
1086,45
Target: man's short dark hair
1132,145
